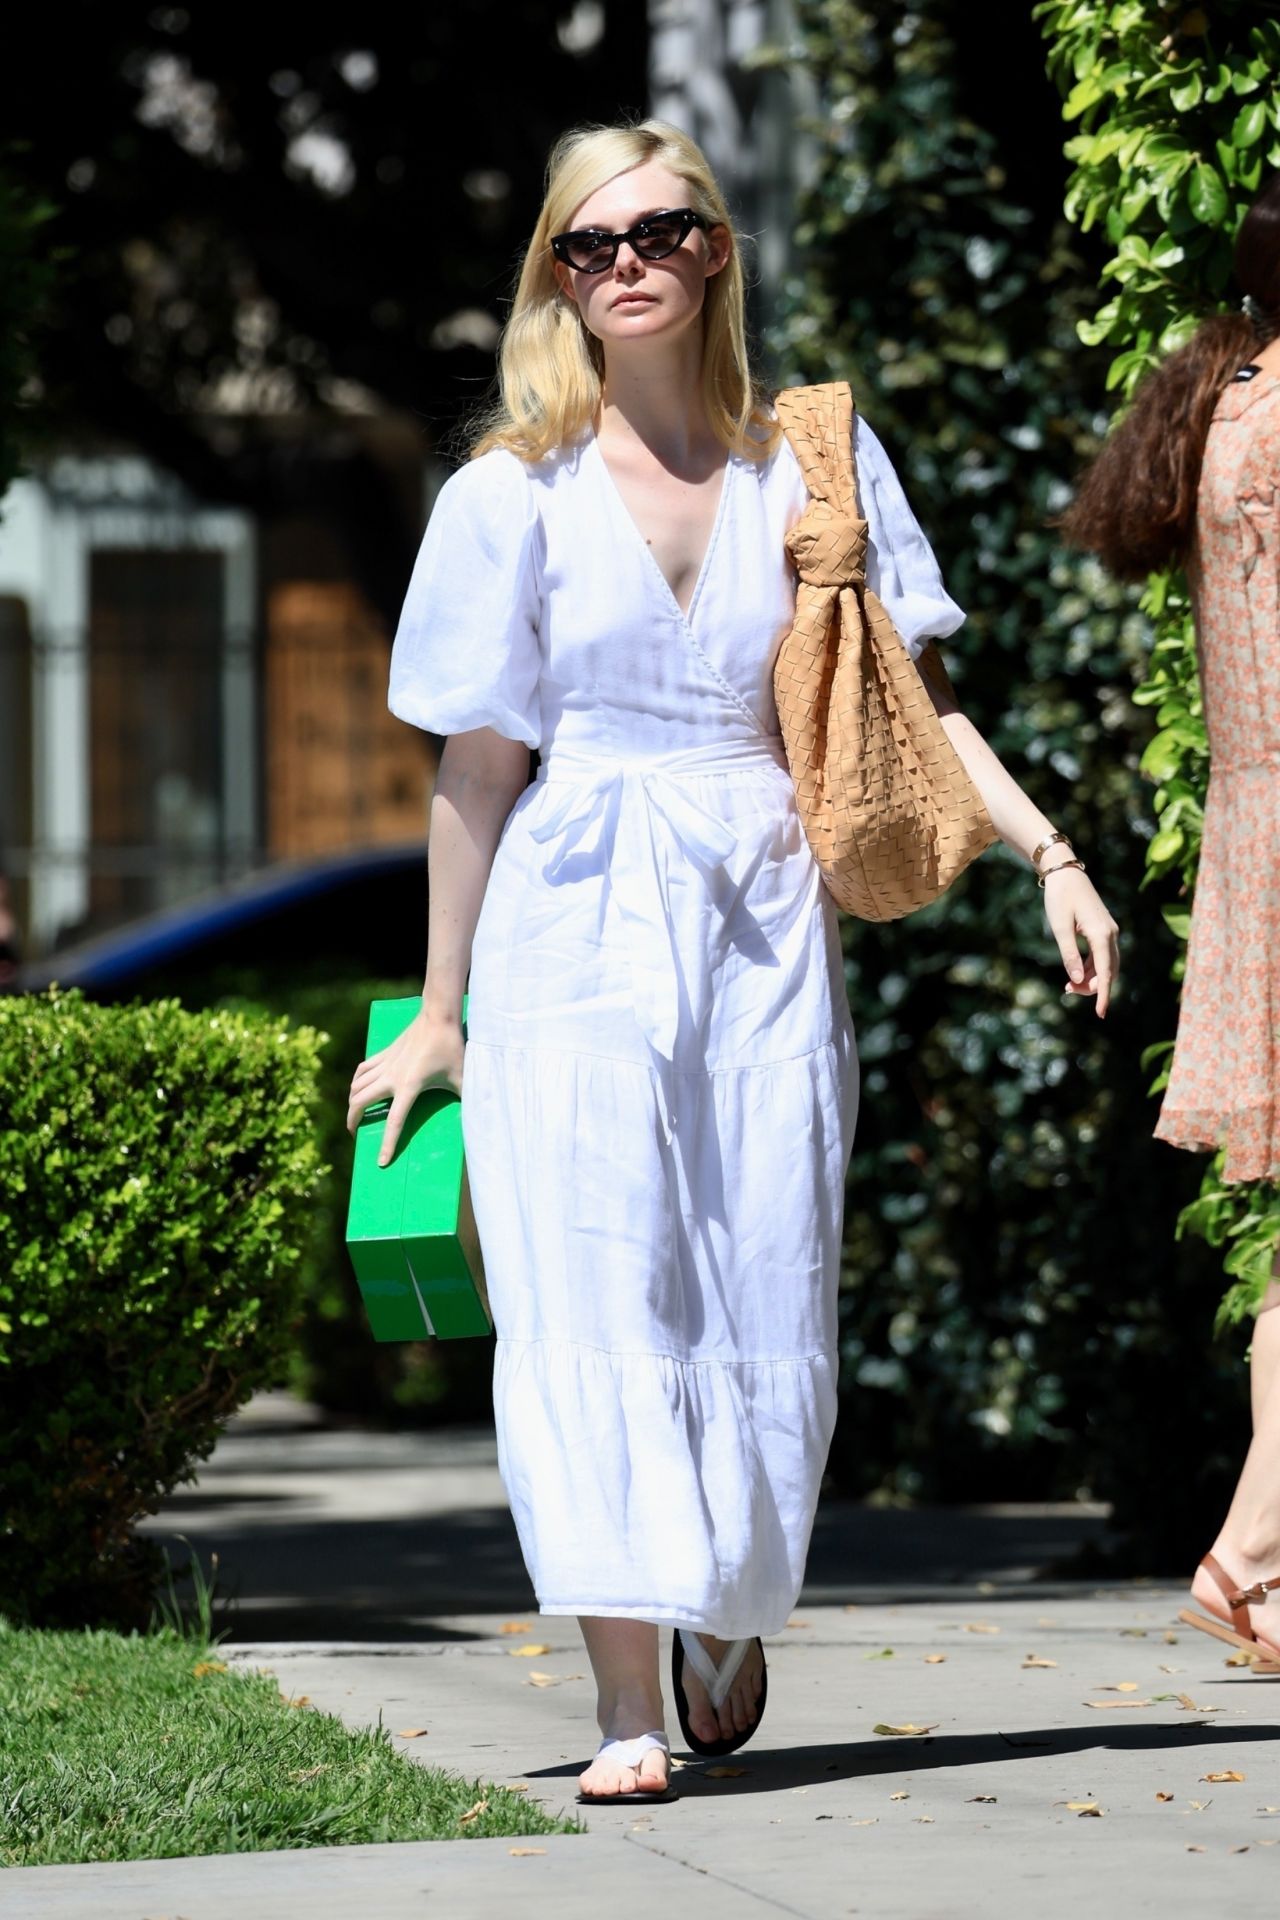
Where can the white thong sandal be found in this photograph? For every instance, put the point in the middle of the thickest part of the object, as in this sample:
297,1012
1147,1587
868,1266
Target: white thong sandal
717,1680
628,1753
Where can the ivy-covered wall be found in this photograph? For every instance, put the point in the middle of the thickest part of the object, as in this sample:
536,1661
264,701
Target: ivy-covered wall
1178,117
1017,1315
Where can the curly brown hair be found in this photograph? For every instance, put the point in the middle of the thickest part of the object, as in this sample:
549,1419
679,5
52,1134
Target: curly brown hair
1135,506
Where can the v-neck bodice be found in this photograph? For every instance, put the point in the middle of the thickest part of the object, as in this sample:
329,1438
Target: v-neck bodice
687,614
623,667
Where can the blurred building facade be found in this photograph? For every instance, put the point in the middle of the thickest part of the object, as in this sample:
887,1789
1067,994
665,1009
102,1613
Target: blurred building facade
186,692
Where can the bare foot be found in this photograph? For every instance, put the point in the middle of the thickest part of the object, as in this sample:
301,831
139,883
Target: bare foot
738,1708
651,1773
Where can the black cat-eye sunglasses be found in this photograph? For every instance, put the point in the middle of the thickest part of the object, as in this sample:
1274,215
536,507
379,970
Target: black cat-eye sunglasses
591,250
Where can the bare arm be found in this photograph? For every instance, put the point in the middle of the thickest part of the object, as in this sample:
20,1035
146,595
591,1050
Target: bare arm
1071,902
480,778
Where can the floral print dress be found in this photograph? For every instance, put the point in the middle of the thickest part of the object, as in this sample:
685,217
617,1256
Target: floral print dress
1224,1083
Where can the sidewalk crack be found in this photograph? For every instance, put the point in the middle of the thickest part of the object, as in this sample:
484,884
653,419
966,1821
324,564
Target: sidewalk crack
766,1901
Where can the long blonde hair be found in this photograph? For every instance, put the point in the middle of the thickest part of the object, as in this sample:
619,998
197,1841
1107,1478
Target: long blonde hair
551,367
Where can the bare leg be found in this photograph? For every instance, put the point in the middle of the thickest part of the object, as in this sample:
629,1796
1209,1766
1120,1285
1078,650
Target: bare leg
1248,1546
1264,1356
624,1660
738,1708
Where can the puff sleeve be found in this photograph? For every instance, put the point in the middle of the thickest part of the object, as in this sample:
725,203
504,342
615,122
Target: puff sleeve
901,569
466,651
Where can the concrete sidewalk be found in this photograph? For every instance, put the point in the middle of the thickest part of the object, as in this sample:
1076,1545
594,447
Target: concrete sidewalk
1043,1700
821,1815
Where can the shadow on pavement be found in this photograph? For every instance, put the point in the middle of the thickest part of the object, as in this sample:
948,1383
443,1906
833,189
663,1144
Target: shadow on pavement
773,1771
286,1572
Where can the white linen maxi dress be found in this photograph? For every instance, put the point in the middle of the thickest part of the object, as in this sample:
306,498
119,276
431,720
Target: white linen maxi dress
660,1084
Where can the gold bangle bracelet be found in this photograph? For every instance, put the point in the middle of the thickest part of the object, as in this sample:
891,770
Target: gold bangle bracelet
1050,839
1041,878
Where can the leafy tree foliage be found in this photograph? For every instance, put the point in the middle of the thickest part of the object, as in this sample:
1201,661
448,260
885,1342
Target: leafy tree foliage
27,276
1178,117
270,217
1011,1269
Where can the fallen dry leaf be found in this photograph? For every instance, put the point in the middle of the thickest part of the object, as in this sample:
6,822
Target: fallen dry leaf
1240,1659
1188,1705
514,1626
1044,1621
1214,1778
934,1659
1121,1686
1034,1660
411,1733
1173,1669
531,1652
1269,1809
473,1813
202,1667
308,1773
523,1853
881,1727
1114,1706
899,1796
543,1680
1195,1849
982,1800
872,1822
517,1786
302,1700
799,1623
1164,1796
1080,1806
924,1819
1133,1633
885,1653
1171,1639
852,1606
1198,1806
979,1626
726,1773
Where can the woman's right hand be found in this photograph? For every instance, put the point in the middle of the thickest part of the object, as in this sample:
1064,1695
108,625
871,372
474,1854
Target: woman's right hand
427,1054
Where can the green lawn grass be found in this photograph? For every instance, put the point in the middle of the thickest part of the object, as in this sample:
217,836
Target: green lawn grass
143,1747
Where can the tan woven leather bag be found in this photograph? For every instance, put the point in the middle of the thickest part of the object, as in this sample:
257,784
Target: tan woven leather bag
888,808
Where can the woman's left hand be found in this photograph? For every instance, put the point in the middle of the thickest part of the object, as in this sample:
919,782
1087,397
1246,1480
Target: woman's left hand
1074,906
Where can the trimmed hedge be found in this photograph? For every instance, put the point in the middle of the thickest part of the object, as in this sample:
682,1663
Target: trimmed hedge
157,1169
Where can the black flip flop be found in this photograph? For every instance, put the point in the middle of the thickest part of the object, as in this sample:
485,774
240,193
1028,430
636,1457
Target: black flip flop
717,1681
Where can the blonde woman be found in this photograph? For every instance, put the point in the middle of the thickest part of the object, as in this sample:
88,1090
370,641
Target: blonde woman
661,1068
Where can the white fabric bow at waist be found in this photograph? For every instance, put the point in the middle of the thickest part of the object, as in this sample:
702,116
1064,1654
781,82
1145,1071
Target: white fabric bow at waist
644,820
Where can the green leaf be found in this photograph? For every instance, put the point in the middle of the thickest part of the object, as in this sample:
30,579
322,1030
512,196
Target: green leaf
1187,93
1164,847
1250,124
1207,196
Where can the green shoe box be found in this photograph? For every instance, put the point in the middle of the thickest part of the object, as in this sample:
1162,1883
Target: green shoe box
411,1232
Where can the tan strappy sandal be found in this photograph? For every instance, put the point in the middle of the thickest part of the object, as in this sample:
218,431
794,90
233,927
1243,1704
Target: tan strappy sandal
1237,1630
